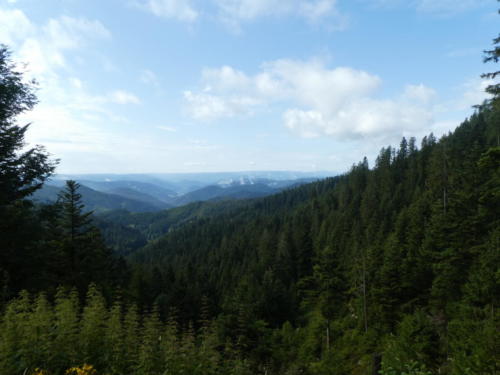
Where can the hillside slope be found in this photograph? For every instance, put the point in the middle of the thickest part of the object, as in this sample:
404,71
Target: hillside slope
100,202
401,260
126,231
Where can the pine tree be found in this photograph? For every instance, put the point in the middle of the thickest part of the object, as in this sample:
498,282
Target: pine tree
13,327
40,334
474,340
493,55
150,360
74,221
84,257
93,329
22,171
115,344
131,338
208,355
331,286
66,347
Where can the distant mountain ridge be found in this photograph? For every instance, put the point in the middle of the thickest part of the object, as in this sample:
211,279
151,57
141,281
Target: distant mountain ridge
99,201
146,193
217,192
183,183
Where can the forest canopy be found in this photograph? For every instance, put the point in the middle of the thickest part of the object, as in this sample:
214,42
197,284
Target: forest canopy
391,270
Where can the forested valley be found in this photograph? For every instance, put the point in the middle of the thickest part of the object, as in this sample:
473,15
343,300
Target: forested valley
387,269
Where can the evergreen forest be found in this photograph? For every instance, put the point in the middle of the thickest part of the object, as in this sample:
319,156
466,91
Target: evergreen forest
391,268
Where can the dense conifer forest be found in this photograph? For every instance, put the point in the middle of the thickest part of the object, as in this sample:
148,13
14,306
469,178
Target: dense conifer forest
387,269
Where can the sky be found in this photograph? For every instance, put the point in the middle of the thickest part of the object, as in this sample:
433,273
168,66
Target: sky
158,86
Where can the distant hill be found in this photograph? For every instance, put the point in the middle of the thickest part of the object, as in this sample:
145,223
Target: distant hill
99,201
126,187
216,192
187,188
243,188
126,231
138,196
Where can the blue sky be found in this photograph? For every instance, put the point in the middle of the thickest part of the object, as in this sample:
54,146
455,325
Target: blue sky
138,86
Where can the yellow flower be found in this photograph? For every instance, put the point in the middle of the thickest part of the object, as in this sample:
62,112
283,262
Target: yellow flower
82,370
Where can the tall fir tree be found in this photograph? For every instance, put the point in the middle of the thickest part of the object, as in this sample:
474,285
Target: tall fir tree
22,171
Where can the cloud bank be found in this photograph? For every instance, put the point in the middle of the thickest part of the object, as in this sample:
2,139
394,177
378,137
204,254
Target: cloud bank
340,102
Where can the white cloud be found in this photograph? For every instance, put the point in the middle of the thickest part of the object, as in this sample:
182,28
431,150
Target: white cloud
181,10
251,9
123,97
225,79
233,12
420,93
203,106
308,83
341,102
316,10
57,128
308,124
68,120
15,26
473,93
69,33
327,90
362,118
43,47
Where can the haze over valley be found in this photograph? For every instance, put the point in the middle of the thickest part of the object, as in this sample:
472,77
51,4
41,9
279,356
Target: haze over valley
153,192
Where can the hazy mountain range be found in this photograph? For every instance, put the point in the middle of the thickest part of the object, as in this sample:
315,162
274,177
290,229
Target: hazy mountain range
153,192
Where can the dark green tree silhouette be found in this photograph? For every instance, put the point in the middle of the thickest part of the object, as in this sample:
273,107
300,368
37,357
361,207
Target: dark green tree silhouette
83,255
493,55
22,171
